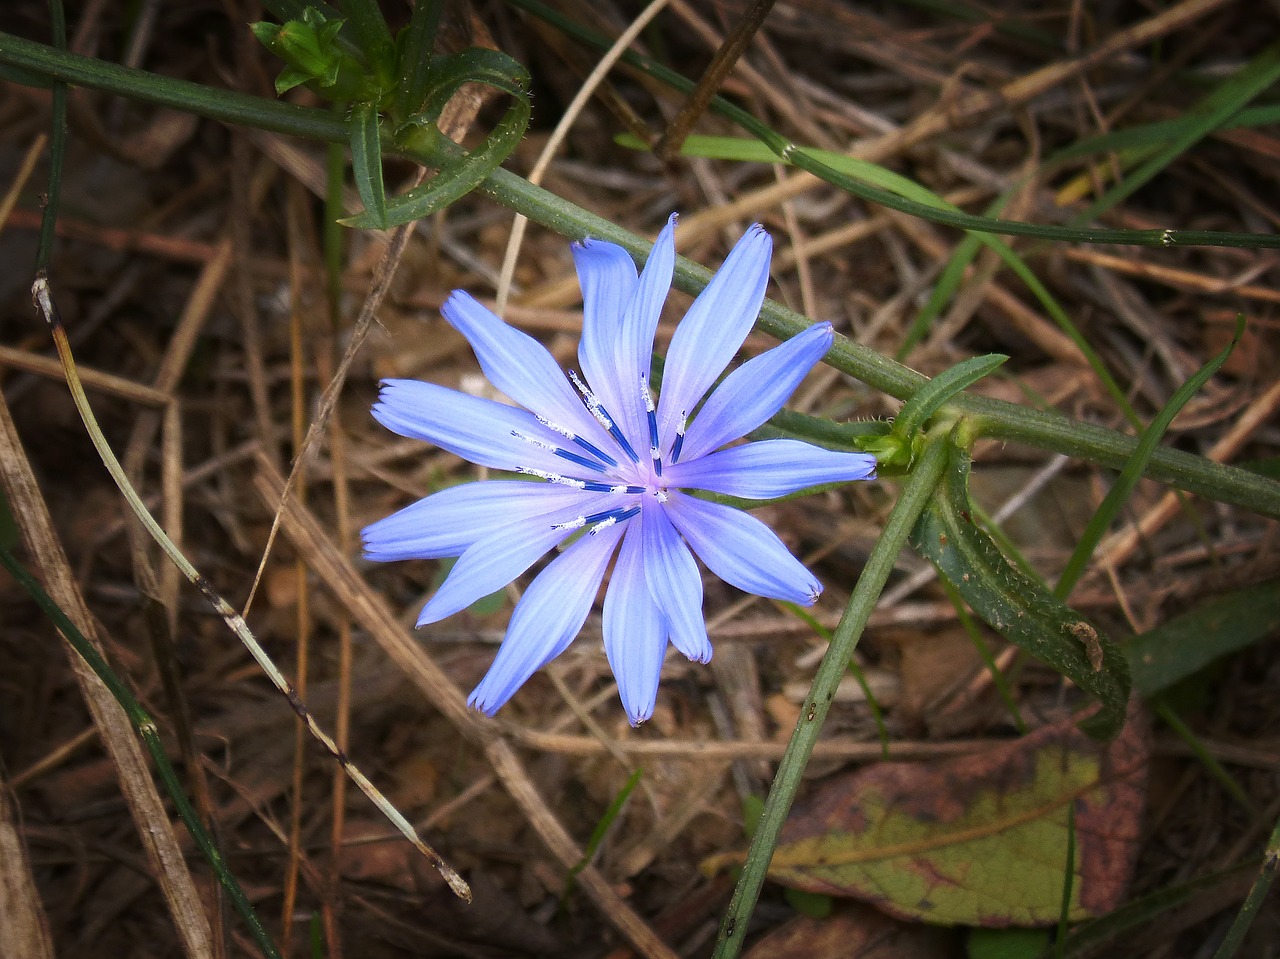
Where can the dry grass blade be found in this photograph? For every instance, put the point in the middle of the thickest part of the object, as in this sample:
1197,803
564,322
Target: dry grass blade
24,927
235,622
153,826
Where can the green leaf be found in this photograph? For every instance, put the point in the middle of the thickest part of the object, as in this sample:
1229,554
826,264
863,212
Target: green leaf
1017,606
980,839
1186,644
366,162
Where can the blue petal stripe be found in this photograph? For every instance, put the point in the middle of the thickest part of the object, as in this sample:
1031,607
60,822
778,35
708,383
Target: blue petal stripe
713,329
520,366
741,550
755,391
674,583
478,430
635,631
607,276
770,468
547,618
497,558
447,522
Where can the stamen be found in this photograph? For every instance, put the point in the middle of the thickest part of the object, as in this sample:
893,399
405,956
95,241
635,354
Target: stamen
607,519
578,523
618,490
679,443
596,409
593,404
655,452
552,477
660,495
567,434
563,454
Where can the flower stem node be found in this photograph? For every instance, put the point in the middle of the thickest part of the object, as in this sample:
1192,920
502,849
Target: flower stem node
575,441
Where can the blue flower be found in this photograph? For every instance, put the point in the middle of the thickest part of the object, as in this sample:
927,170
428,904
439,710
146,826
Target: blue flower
602,454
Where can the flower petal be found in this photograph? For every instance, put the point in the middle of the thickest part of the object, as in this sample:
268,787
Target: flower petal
521,367
633,350
674,583
478,430
755,391
607,276
635,631
497,558
447,522
741,550
770,468
713,329
547,618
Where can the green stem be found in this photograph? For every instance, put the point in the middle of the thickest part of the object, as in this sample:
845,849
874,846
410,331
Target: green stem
996,419
915,495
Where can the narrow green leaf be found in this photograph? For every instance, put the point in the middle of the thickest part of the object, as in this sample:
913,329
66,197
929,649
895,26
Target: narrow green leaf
414,57
1016,606
1087,939
602,828
1133,470
366,163
930,398
1207,115
373,37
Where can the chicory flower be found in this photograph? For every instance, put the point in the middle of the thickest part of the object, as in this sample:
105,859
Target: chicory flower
600,453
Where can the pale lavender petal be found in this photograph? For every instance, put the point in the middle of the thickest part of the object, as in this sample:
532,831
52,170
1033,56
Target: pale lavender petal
770,468
755,391
674,583
607,275
547,618
741,550
521,367
635,631
495,560
713,329
478,430
633,350
447,522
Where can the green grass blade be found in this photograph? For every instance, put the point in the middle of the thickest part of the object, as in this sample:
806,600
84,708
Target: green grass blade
1203,118
1134,469
1253,902
146,729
